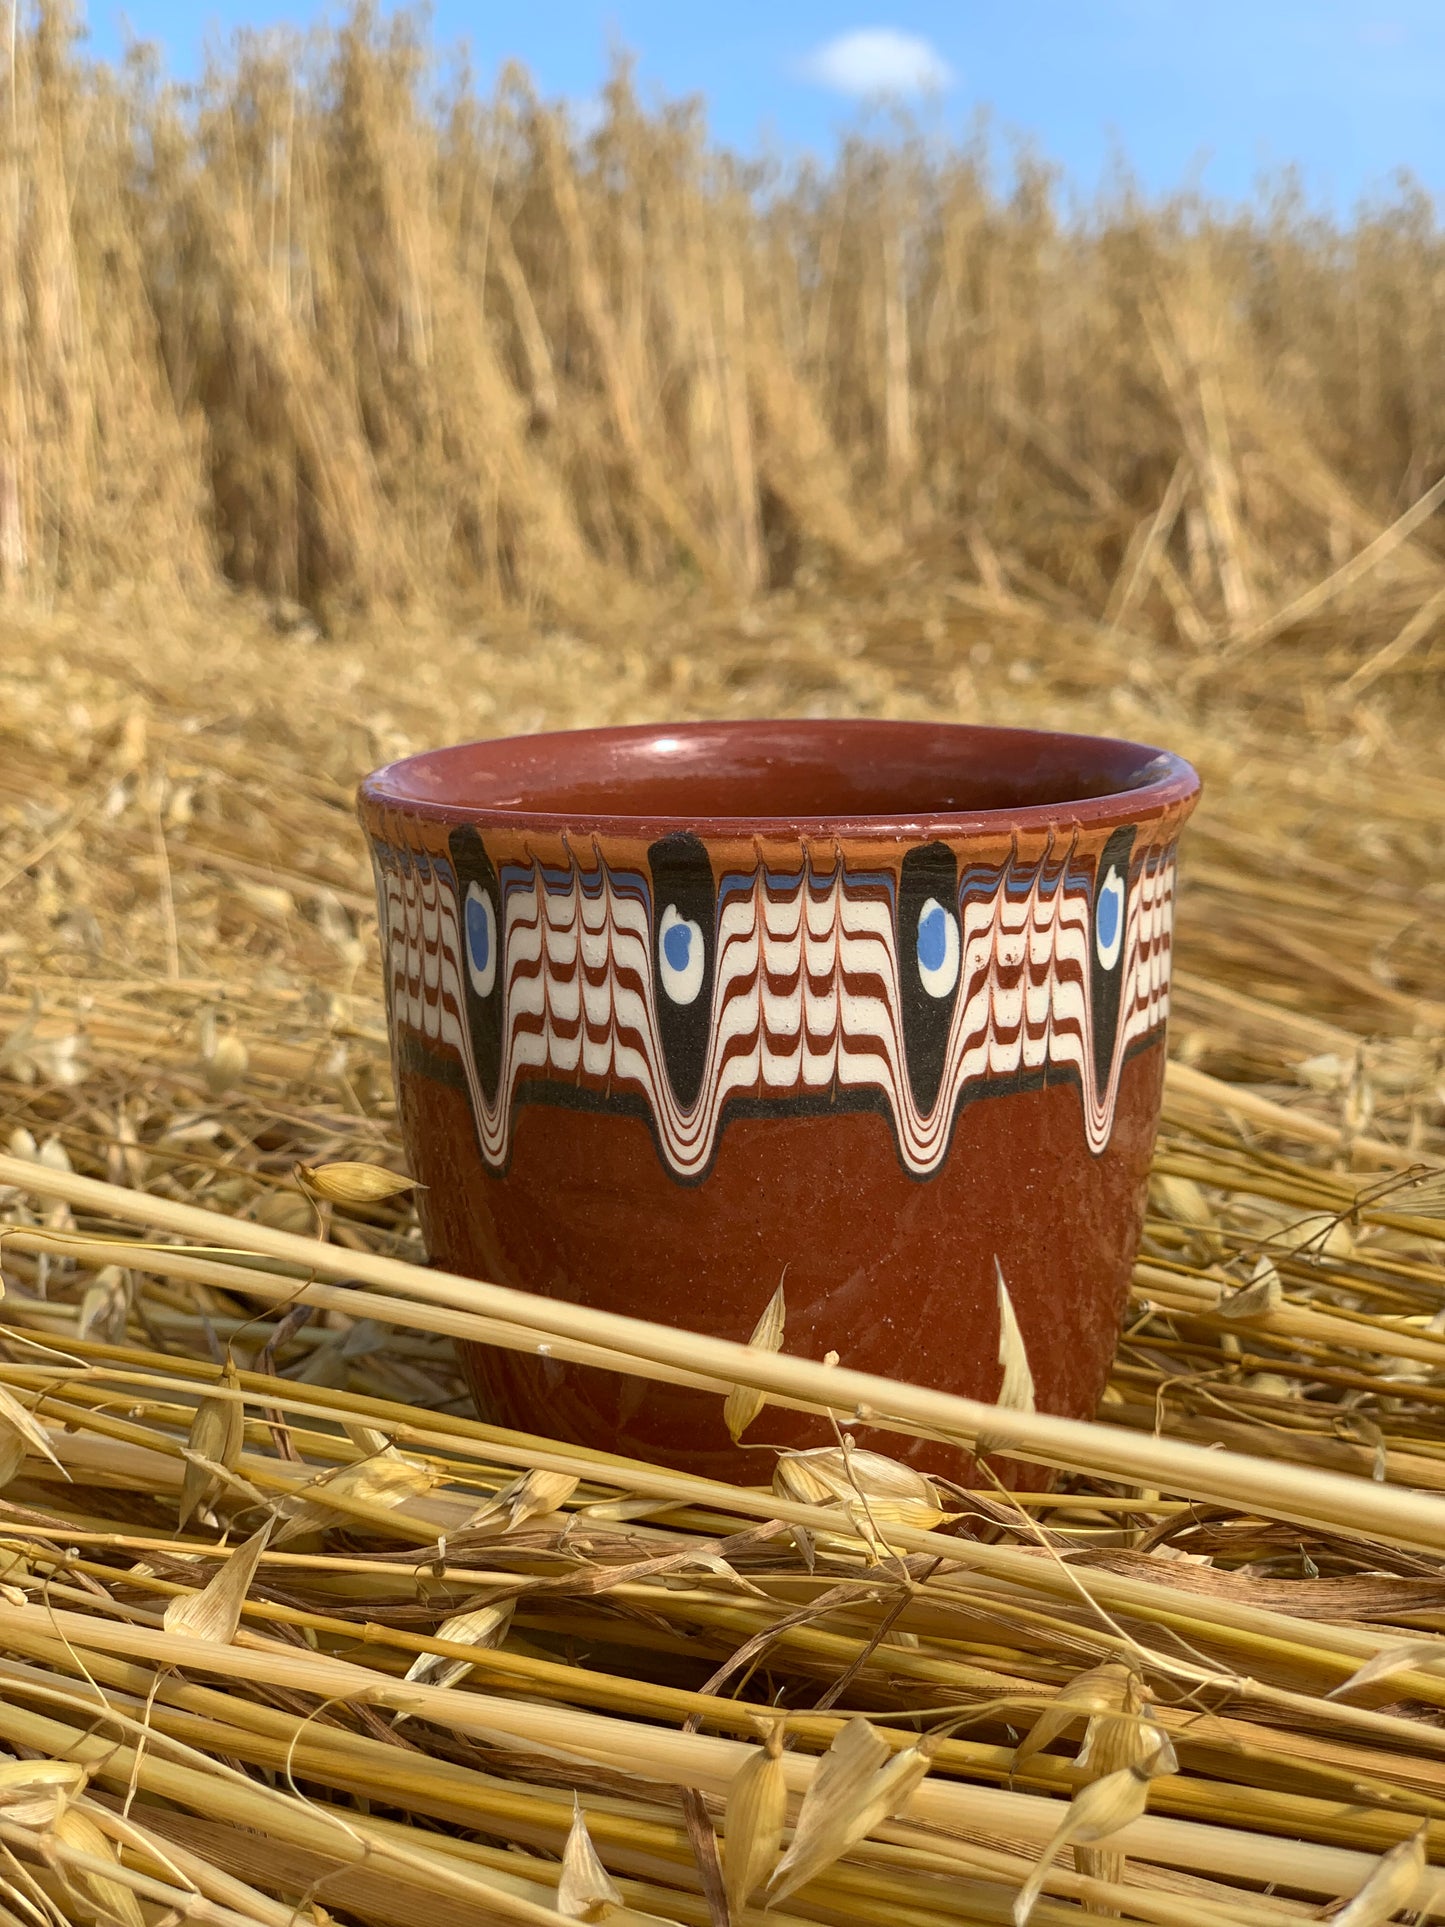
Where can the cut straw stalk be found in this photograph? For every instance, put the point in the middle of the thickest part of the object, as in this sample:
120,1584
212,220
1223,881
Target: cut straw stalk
687,1759
387,1901
1331,1650
1305,1816
852,1893
201,1785
143,1460
258,1909
1183,1290
1202,1295
1393,652
1346,577
176,1261
1185,1081
238,1728
1321,1500
378,1897
1258,1635
95,1871
536,1816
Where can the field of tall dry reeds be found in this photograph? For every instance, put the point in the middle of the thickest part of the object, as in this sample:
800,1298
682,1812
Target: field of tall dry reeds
344,411
335,325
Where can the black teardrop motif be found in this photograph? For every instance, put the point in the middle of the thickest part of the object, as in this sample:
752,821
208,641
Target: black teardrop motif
682,877
484,1014
930,870
1106,985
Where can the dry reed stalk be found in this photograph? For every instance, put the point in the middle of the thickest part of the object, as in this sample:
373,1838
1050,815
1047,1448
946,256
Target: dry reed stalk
1313,1498
1422,621
333,345
1330,1654
1347,577
682,1759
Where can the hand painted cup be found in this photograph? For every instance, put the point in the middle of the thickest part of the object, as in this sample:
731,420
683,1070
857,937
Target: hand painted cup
876,1008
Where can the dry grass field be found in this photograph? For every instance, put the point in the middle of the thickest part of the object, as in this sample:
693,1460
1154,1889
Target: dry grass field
340,415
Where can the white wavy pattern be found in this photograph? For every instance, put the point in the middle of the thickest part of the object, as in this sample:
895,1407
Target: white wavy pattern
805,997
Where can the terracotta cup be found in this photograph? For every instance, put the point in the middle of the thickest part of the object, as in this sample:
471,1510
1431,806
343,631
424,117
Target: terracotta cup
876,1008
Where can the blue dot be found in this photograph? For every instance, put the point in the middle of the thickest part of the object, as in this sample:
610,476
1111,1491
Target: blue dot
677,945
933,937
479,936
1108,916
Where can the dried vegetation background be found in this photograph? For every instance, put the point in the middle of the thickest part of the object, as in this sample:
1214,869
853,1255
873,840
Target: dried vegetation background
341,414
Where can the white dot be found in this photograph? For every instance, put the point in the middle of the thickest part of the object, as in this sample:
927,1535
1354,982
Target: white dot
1109,919
681,957
937,948
479,936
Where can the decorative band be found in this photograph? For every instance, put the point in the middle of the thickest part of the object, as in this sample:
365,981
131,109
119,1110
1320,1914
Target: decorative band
916,984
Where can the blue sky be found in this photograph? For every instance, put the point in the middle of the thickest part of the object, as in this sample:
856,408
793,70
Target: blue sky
1192,92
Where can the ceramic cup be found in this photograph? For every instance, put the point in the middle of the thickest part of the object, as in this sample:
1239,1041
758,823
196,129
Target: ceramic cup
876,1008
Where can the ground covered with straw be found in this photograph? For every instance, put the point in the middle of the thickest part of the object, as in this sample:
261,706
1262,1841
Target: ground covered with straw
338,424
394,1661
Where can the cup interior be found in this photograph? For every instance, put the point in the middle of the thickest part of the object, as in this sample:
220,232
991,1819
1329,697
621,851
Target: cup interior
720,774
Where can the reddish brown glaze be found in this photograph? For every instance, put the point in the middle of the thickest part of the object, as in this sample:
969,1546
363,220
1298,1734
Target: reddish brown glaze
827,778
565,1087
895,1275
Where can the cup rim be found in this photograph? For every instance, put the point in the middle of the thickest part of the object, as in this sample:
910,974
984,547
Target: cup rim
414,785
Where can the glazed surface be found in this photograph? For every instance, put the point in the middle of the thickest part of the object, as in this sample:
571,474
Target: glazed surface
658,1066
895,1275
841,777
687,983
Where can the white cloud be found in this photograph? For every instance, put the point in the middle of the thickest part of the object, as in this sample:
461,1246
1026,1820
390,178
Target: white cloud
879,60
